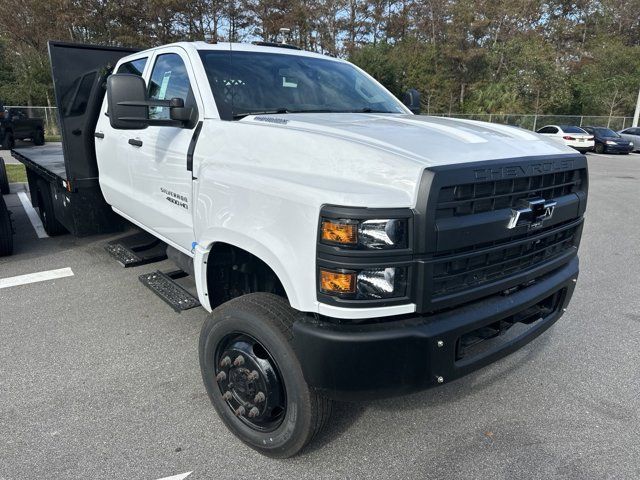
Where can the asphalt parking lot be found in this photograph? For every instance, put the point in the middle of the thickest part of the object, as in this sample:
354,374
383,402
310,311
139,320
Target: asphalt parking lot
100,379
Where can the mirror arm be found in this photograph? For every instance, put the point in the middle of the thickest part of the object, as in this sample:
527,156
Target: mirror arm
146,103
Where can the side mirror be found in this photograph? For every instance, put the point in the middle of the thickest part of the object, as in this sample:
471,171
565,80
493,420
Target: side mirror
126,98
129,105
411,98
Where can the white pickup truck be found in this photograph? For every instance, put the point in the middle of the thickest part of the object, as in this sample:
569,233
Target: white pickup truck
345,247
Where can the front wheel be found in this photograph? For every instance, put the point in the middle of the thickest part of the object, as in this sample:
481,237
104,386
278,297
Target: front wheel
254,379
599,148
38,138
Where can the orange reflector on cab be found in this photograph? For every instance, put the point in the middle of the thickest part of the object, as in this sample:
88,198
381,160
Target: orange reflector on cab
334,231
337,282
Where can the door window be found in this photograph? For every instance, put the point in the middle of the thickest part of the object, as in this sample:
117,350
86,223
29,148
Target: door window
134,67
169,79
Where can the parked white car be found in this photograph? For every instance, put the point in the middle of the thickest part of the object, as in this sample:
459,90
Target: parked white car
570,135
633,135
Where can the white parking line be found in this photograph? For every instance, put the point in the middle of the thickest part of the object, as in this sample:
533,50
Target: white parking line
32,214
180,476
35,277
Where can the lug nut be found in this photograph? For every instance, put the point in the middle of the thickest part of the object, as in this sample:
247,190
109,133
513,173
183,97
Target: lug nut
253,376
238,361
254,412
239,411
221,376
225,362
226,396
259,398
439,379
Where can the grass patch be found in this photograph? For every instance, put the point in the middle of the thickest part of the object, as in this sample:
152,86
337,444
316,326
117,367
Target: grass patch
16,173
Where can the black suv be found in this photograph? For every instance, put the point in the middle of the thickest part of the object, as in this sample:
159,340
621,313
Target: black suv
15,124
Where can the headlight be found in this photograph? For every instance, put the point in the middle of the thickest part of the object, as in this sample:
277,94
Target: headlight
375,234
369,284
610,142
631,144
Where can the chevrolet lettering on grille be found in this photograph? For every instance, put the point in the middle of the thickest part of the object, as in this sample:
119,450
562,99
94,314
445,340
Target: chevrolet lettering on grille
532,213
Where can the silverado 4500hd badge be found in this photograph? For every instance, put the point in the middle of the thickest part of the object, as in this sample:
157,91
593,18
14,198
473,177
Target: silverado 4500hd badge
175,198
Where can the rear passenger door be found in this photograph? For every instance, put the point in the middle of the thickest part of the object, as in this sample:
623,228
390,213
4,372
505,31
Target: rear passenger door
113,152
161,182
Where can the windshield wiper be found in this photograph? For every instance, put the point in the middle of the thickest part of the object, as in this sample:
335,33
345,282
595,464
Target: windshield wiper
262,112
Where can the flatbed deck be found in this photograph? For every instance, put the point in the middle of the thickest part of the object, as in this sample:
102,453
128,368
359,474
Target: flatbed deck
48,160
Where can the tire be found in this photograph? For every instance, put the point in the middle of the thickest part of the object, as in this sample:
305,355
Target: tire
6,231
266,319
38,138
599,148
4,180
47,214
7,141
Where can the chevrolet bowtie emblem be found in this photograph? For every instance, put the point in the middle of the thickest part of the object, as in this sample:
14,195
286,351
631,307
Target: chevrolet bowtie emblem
531,213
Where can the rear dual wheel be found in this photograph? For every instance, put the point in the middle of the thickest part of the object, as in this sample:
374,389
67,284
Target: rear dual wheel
254,379
6,230
4,179
47,213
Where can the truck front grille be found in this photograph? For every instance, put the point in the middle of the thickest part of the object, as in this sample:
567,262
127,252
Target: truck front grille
469,250
459,272
472,198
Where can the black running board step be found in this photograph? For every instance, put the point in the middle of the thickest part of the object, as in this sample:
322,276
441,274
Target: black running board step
163,285
140,248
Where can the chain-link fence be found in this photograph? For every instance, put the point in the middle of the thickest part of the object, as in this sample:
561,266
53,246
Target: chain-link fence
49,116
534,122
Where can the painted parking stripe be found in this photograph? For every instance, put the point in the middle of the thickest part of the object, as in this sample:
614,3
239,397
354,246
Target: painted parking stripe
32,214
35,277
180,476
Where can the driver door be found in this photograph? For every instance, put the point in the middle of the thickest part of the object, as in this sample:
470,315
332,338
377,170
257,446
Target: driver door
162,185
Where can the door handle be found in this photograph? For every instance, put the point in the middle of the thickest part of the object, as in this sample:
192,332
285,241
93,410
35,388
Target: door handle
135,142
77,132
98,135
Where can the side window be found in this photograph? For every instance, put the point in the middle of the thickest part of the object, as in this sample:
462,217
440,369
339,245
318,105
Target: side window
169,79
134,67
552,130
545,130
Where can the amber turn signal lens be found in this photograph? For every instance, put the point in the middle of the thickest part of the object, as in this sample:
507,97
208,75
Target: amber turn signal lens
334,231
337,282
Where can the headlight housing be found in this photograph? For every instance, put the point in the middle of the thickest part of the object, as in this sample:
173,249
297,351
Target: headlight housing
365,256
367,234
610,142
369,284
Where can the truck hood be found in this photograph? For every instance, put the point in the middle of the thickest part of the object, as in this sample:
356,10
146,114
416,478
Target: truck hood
429,140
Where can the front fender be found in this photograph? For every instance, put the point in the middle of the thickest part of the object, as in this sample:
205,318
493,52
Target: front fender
269,252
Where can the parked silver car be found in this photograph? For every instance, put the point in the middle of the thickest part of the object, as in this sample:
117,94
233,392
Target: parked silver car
633,135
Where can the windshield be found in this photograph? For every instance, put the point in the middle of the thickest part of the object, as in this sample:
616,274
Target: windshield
245,83
606,132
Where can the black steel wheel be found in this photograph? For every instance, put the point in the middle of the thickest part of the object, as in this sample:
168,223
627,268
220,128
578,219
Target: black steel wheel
7,141
250,382
254,379
47,213
38,138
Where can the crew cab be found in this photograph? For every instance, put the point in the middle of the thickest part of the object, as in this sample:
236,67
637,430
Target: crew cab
346,248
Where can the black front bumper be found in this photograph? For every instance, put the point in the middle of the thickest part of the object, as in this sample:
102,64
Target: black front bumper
618,148
387,358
